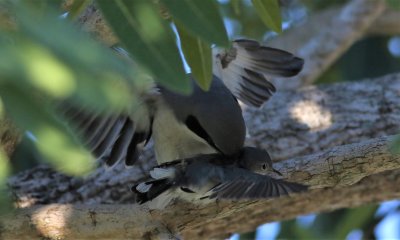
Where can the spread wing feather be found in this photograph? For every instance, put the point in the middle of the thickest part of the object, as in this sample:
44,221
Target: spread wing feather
247,68
255,188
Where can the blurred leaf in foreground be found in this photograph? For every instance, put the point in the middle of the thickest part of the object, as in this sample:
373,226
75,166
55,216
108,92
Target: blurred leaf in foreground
199,18
269,12
5,203
198,56
149,39
354,218
52,140
394,4
44,60
77,7
100,76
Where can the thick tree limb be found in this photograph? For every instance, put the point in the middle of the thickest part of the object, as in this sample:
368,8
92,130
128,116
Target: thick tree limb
340,166
369,190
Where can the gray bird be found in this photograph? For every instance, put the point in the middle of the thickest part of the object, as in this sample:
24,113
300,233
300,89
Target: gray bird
181,126
214,176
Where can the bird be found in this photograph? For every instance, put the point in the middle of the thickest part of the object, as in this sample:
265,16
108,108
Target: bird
184,126
209,177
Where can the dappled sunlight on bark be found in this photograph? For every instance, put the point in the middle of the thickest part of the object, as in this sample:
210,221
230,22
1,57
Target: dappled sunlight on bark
312,115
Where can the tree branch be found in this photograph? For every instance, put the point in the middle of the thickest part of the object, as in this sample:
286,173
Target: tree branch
332,40
387,24
338,167
296,37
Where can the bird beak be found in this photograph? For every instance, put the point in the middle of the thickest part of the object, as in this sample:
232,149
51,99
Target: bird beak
277,172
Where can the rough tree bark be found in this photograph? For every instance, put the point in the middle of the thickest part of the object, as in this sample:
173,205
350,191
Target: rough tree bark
331,115
339,167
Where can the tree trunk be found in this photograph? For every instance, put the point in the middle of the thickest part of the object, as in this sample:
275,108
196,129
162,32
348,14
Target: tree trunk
333,176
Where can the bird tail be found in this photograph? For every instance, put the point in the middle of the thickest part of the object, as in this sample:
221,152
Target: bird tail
161,182
147,191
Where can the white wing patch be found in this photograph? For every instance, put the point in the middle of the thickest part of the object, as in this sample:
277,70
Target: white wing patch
247,66
161,173
143,187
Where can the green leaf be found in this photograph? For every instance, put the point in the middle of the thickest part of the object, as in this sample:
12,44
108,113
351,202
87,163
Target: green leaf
58,147
198,56
45,59
5,170
200,17
77,7
149,39
236,5
353,219
269,12
394,4
54,57
52,5
43,6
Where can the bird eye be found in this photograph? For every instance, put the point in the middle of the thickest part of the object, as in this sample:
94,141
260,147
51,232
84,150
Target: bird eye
264,166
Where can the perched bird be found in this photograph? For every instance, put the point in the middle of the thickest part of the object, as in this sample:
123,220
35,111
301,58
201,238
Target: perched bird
213,176
204,122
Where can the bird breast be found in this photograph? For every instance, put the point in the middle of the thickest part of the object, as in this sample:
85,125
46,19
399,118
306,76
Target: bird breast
173,140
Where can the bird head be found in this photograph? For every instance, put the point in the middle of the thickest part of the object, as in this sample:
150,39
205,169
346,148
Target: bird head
257,160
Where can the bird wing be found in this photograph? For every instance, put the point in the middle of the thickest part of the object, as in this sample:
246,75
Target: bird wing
249,185
212,115
247,67
112,136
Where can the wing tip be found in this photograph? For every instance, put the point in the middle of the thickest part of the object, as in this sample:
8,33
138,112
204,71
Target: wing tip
294,187
110,165
286,63
255,64
274,189
294,67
